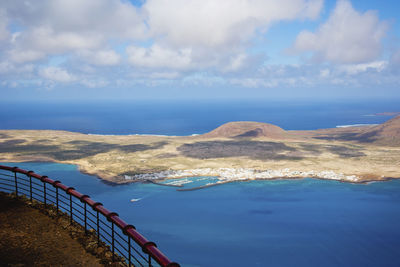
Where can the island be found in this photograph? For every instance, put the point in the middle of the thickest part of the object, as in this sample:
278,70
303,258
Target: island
235,151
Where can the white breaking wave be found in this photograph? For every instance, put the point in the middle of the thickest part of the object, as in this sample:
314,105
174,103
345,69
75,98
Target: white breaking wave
356,125
160,135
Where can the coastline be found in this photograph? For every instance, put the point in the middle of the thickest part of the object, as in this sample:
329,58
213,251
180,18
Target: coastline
291,155
157,177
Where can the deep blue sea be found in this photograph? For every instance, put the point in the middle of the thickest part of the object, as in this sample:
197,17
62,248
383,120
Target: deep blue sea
187,117
280,223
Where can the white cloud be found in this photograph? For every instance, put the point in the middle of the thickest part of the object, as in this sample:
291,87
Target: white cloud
56,74
105,57
159,57
219,24
94,83
186,35
352,69
4,34
54,27
395,58
236,62
7,67
21,56
346,37
164,75
186,42
324,73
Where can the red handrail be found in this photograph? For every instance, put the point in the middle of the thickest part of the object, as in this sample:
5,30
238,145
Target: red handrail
147,246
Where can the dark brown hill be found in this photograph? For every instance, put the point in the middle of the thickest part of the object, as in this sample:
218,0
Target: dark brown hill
387,133
250,129
389,129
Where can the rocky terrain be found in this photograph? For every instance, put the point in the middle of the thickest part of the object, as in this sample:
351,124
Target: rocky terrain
364,153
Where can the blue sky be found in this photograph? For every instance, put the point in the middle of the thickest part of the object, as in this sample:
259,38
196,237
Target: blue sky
167,49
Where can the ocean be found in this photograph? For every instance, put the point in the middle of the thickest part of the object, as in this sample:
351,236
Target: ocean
283,223
187,117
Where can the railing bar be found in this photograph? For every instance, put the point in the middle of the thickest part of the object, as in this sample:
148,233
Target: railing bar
120,237
105,231
6,184
122,245
91,213
138,252
51,190
105,238
22,178
7,189
37,199
64,197
109,227
91,220
38,195
138,260
91,226
23,185
79,211
122,253
43,193
8,175
24,190
8,181
33,182
37,188
63,202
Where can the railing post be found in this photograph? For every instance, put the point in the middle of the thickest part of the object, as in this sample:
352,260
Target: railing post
56,187
95,205
16,183
98,229
57,199
112,240
70,208
125,230
85,219
68,191
145,250
129,251
29,174
30,187
44,195
109,218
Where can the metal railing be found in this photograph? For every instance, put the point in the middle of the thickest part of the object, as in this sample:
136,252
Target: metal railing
122,238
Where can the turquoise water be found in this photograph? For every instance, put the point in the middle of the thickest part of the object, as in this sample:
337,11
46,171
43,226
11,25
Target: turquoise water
304,222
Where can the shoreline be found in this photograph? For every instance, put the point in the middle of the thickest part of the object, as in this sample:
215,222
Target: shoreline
115,180
154,177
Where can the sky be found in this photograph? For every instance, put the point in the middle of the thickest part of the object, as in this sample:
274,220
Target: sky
199,49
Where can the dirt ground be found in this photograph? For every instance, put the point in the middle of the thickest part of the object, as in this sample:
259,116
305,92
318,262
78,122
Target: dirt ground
28,237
